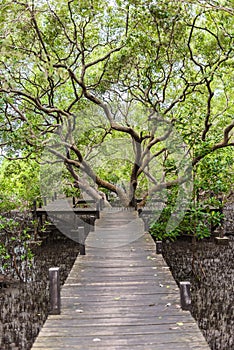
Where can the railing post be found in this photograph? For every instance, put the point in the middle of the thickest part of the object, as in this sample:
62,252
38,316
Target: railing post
92,222
98,210
81,231
34,209
146,224
158,247
185,295
101,204
55,301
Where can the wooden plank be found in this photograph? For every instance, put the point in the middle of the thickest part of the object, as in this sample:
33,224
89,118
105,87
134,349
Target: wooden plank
120,298
125,330
78,211
122,311
120,323
149,346
121,319
155,342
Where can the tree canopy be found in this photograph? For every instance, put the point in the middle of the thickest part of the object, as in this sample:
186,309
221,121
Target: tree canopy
128,95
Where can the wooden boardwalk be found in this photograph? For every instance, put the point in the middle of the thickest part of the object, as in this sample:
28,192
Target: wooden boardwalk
120,295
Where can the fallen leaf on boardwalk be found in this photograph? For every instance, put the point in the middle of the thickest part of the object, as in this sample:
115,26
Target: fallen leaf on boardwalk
151,304
80,311
150,258
168,287
96,339
178,306
179,323
174,328
117,298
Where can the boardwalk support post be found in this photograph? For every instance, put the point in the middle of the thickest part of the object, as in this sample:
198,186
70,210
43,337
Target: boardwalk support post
98,209
185,295
55,301
101,204
81,231
158,247
92,222
34,209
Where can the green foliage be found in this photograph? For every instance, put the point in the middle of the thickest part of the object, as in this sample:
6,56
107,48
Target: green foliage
19,184
78,76
16,254
197,222
214,177
158,228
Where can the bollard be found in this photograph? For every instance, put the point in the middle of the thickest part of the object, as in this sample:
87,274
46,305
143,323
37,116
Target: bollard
55,301
81,240
158,247
185,295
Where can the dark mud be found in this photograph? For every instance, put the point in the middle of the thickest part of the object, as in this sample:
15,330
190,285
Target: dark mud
210,269
24,306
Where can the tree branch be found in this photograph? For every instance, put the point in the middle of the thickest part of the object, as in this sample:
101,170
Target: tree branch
208,113
225,143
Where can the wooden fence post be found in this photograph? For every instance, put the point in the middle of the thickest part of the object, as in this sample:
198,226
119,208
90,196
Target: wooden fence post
81,231
34,209
92,222
101,204
98,210
73,202
55,300
158,247
185,295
